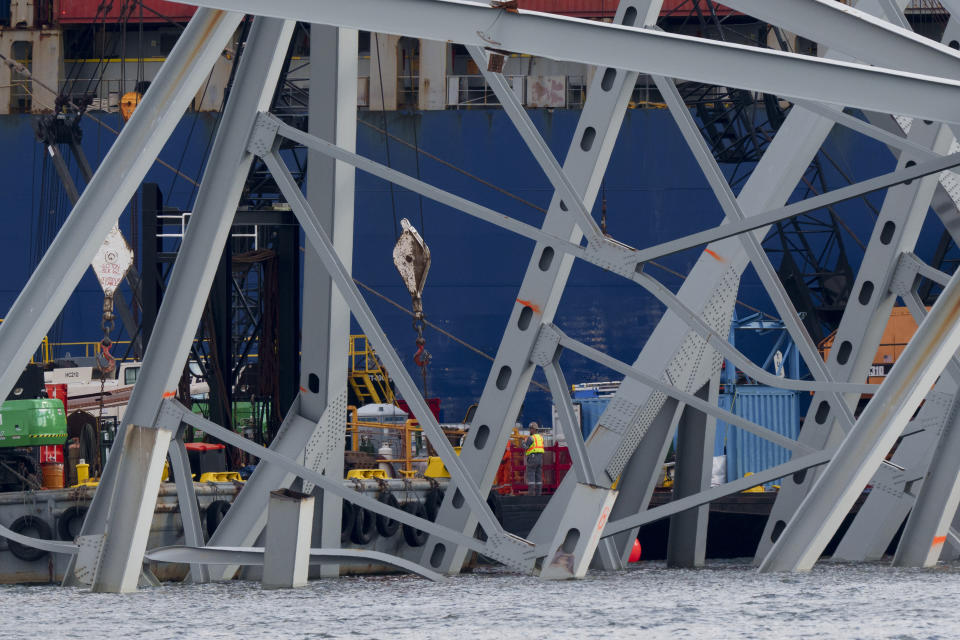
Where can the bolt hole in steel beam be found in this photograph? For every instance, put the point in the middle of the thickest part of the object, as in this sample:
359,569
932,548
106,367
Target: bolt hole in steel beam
546,258
458,499
503,378
822,412
954,44
609,77
777,530
800,476
886,234
843,354
866,292
630,16
586,141
563,206
910,163
313,383
526,315
437,556
570,541
480,440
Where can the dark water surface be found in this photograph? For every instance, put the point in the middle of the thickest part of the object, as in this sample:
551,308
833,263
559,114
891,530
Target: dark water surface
725,600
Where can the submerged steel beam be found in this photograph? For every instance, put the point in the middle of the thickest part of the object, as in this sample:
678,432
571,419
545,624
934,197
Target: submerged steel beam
857,458
183,302
624,47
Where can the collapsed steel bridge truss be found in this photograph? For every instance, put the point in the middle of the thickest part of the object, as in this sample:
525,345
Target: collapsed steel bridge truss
907,87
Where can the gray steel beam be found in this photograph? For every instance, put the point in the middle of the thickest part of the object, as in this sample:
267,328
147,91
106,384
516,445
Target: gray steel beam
604,253
187,499
198,258
687,540
97,210
634,521
580,463
330,190
887,506
936,503
866,315
808,532
857,33
624,47
138,471
732,228
669,390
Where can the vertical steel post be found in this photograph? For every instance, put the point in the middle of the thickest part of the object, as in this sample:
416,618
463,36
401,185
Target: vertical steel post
687,542
330,191
286,551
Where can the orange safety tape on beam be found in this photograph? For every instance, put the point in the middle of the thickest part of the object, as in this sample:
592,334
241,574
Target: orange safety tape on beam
169,394
713,254
939,540
529,304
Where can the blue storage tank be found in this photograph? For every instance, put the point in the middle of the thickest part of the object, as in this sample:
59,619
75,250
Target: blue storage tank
775,409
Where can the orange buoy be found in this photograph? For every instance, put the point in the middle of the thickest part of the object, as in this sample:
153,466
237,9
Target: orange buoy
635,552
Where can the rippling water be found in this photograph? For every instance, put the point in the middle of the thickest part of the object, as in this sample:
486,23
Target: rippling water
725,600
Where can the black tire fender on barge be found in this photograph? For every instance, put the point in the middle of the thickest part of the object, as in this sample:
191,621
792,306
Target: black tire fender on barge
386,526
66,521
414,537
364,526
347,517
215,513
433,501
23,525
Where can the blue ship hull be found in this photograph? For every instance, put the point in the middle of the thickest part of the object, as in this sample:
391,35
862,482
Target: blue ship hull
653,188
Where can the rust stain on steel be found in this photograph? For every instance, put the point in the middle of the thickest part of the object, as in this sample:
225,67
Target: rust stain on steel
716,256
216,18
533,307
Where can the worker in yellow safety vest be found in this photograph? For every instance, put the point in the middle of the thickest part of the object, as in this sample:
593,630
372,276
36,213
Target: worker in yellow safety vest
533,457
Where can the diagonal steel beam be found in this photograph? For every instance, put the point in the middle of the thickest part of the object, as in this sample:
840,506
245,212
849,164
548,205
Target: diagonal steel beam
820,514
751,244
105,197
802,463
571,426
267,125
538,147
857,33
687,398
736,227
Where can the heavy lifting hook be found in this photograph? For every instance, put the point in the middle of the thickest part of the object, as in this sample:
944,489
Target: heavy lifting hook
411,256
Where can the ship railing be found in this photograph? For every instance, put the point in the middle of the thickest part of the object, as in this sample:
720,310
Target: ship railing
407,435
473,90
